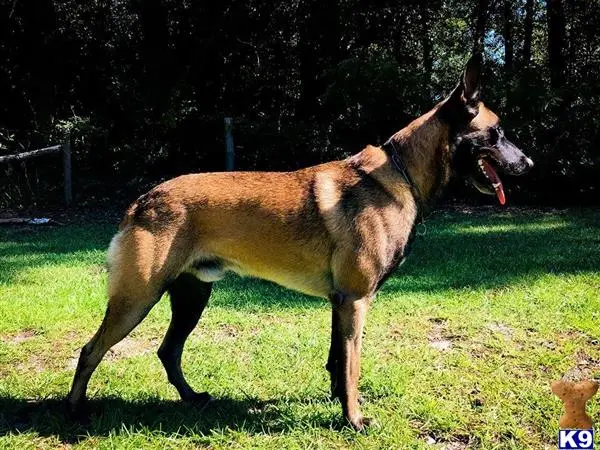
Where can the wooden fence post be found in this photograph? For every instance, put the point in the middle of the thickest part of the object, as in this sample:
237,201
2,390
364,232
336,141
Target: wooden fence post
66,147
229,149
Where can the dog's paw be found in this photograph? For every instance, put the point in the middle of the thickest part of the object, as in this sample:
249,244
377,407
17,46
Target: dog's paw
361,424
77,412
199,399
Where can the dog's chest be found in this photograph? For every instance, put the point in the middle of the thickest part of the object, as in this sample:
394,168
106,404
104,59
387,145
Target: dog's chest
402,251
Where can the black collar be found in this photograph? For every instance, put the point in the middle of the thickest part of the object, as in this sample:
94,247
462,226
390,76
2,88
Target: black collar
390,148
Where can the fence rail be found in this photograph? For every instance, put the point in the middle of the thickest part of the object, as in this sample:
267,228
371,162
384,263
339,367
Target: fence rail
26,155
65,148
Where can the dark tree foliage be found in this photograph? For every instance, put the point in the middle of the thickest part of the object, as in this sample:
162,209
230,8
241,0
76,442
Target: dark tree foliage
143,86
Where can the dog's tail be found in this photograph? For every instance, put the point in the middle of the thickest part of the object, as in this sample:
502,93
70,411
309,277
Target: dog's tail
129,215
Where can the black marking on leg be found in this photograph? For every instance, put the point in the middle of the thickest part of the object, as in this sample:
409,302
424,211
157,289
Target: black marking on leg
189,297
333,360
337,298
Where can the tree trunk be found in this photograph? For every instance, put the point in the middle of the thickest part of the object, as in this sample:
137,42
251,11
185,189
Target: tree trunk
528,33
556,42
480,16
508,38
157,58
426,43
319,48
508,51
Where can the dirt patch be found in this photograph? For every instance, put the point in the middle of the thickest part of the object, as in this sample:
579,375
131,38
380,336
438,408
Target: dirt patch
479,350
453,446
127,348
397,333
130,347
568,336
442,444
585,368
438,337
226,332
35,363
21,336
440,344
502,329
578,336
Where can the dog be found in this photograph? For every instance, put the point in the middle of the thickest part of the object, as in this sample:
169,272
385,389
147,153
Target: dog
335,231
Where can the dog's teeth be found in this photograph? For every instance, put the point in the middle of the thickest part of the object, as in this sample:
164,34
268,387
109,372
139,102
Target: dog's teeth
495,185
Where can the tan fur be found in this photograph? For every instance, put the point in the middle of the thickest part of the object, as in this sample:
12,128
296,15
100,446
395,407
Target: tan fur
284,227
484,119
429,154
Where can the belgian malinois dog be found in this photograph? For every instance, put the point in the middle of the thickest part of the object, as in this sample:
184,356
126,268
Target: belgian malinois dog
335,231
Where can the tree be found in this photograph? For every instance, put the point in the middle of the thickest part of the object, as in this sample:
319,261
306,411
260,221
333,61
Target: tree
145,84
556,42
426,42
527,34
480,21
508,39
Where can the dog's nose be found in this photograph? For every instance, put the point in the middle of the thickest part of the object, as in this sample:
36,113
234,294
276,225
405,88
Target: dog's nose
527,163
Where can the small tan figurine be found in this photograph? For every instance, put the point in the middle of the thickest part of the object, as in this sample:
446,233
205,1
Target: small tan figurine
574,397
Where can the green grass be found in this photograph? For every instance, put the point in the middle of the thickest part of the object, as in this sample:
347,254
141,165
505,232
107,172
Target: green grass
461,345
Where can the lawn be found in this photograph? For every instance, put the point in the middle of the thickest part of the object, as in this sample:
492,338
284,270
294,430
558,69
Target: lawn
460,346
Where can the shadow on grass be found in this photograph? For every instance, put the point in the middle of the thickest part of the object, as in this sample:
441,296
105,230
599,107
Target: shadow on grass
107,416
457,252
23,248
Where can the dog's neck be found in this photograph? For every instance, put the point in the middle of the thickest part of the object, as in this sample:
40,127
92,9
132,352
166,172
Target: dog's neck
423,147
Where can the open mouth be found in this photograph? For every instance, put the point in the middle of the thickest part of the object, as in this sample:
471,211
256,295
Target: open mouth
495,184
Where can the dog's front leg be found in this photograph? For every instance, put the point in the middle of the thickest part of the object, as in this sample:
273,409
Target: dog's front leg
350,317
333,361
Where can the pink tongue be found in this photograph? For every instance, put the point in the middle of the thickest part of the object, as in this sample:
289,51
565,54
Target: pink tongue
494,178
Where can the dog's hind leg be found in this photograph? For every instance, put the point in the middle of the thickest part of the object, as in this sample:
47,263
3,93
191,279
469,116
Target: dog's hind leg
136,283
122,316
189,297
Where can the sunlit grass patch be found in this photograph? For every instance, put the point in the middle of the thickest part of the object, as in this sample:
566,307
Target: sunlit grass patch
460,346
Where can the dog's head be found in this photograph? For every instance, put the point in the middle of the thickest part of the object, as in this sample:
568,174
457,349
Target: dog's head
479,147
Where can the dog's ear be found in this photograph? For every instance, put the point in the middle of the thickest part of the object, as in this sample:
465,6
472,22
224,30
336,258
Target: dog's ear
463,104
471,80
